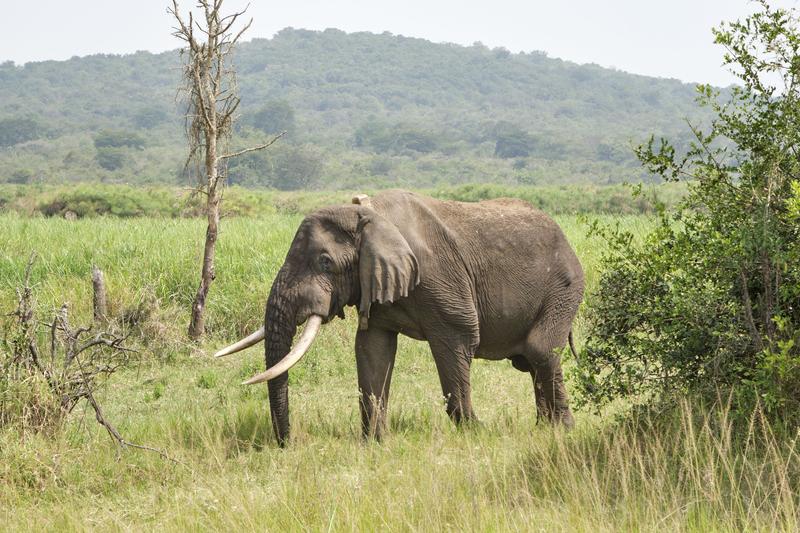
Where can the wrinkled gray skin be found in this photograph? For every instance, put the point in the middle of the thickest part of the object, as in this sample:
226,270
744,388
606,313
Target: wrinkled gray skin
495,280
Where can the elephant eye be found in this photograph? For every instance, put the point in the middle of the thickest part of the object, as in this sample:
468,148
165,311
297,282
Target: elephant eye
325,263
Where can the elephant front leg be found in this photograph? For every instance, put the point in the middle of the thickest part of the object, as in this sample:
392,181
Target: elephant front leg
552,401
453,365
375,353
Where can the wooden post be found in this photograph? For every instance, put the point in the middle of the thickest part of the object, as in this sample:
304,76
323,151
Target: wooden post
99,286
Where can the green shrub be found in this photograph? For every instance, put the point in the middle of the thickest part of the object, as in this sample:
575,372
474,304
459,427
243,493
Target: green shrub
710,298
118,201
125,201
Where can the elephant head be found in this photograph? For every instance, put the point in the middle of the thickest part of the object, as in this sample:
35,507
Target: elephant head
340,256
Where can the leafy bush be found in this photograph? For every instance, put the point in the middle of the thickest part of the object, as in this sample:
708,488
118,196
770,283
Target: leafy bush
115,201
710,298
570,199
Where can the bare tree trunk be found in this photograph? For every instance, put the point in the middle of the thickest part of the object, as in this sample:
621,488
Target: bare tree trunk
197,326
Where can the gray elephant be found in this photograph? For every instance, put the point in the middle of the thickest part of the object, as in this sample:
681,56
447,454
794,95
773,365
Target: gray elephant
495,280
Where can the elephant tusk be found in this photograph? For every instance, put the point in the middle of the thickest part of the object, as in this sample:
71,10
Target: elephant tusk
298,351
247,342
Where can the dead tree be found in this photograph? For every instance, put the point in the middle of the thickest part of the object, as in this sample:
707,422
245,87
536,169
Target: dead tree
212,101
72,363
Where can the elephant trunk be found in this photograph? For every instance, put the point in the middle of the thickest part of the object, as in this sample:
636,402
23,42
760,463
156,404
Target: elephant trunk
280,327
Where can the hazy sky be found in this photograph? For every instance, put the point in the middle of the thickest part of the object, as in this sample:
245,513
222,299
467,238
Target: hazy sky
660,38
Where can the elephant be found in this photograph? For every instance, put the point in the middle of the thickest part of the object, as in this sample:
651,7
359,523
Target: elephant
496,279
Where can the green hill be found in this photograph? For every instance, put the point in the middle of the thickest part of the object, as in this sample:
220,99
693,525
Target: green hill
361,110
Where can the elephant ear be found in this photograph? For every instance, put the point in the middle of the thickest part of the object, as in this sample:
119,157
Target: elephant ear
387,268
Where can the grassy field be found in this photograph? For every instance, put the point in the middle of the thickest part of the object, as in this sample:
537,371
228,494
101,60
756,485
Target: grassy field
692,469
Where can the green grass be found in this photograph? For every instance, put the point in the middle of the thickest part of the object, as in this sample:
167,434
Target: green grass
692,470
159,258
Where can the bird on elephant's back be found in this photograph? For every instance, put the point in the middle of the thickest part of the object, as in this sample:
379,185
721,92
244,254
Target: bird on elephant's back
495,280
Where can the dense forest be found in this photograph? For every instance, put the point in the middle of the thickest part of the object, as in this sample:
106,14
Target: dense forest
360,110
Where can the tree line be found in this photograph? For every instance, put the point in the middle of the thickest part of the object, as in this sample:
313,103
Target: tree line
359,110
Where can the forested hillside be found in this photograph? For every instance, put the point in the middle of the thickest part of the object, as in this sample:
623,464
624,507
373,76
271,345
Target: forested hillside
360,109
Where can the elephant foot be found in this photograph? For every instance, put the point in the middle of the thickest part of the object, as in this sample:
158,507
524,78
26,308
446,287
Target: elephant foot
552,401
556,415
374,422
460,415
373,431
368,437
469,424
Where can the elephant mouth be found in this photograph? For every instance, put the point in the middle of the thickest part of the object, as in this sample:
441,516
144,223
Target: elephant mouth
335,309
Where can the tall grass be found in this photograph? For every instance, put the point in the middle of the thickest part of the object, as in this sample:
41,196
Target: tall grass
693,470
696,468
158,257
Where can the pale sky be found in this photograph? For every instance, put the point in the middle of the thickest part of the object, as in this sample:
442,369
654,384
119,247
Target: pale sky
666,38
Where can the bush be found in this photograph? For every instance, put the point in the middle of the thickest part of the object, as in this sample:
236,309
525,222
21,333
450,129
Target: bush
570,199
710,298
42,382
116,201
127,201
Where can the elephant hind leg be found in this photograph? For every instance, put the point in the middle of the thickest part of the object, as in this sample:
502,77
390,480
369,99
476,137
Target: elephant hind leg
552,401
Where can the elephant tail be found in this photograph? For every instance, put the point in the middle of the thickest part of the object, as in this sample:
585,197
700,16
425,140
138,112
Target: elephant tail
572,346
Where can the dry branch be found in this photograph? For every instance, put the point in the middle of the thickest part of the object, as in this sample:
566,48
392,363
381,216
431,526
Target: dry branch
255,148
79,361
